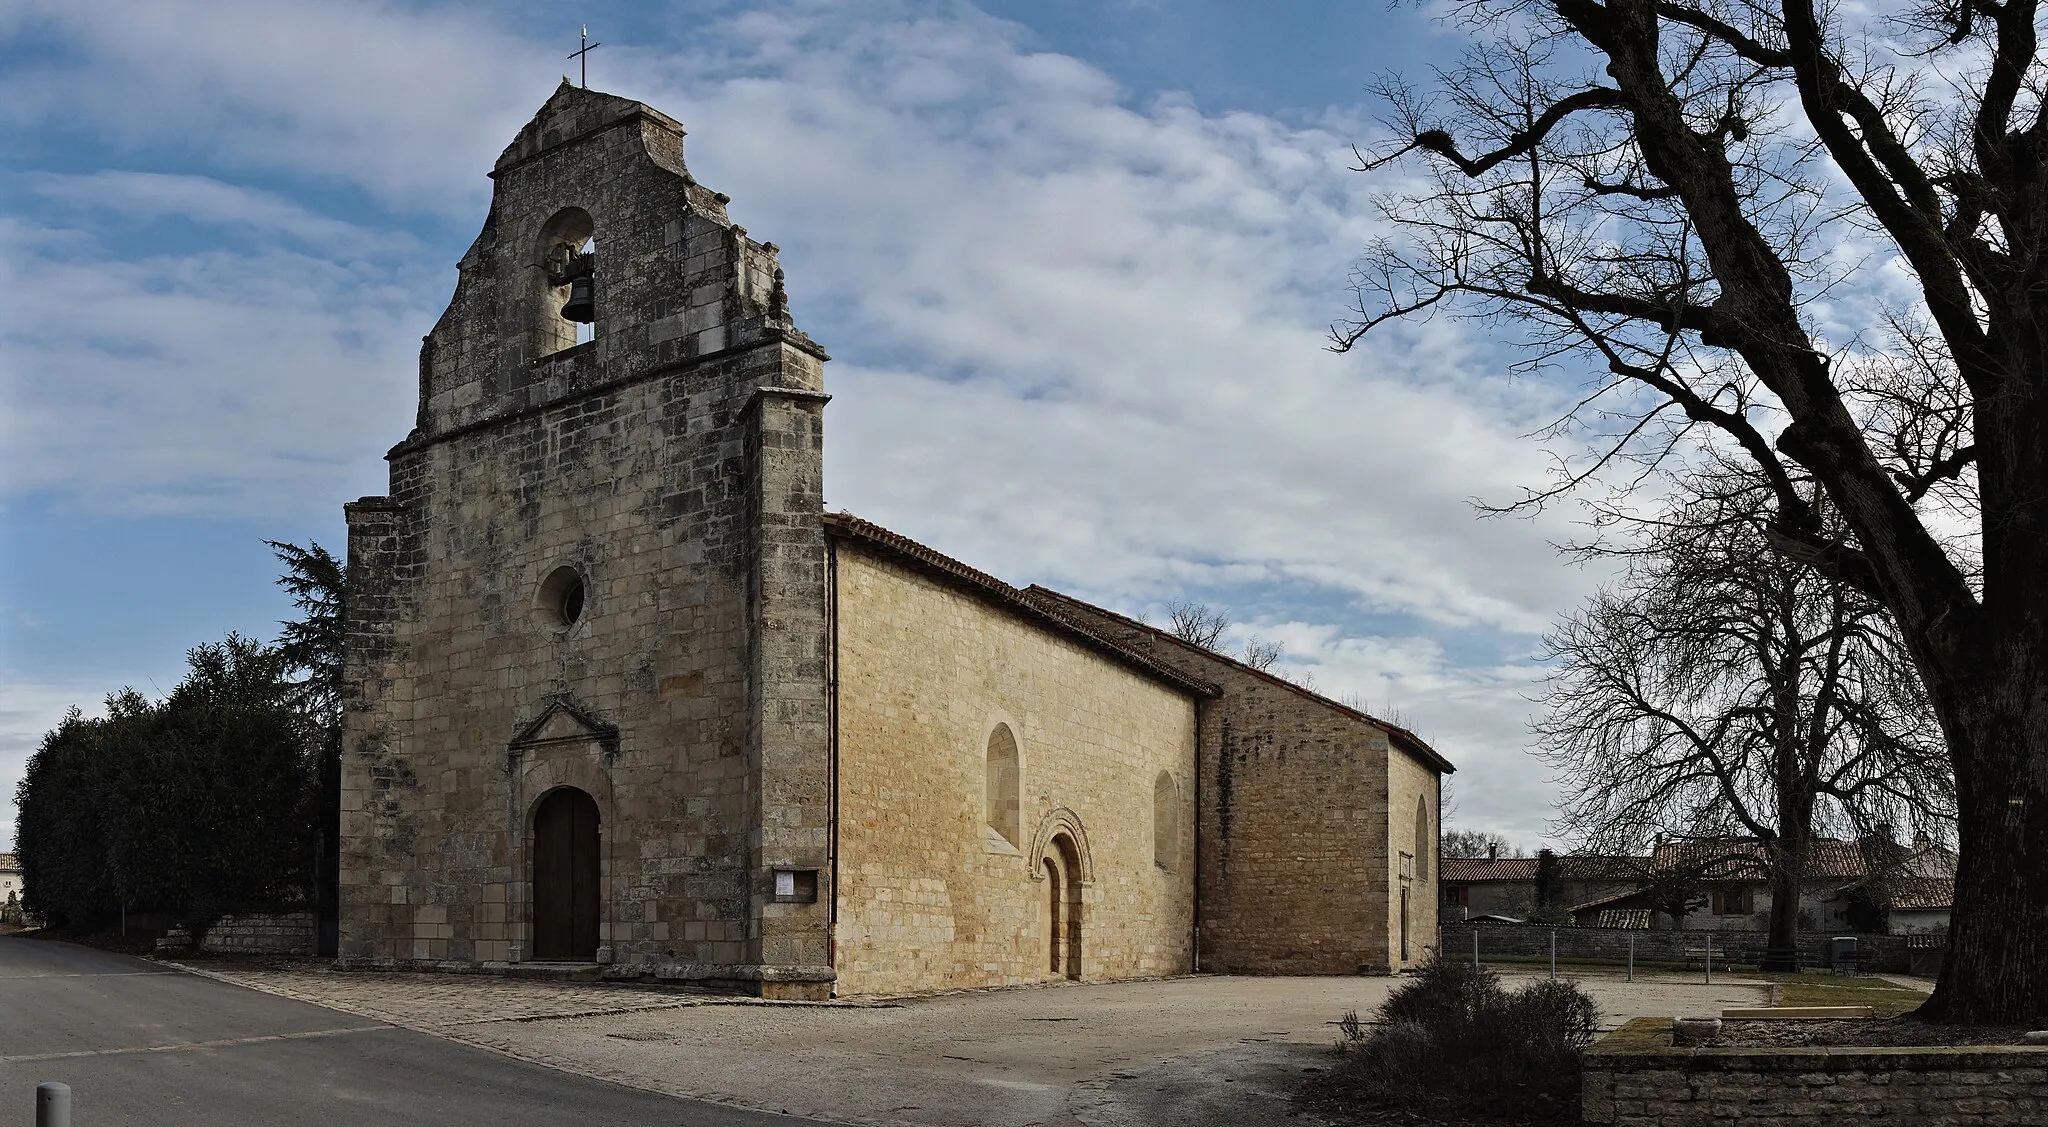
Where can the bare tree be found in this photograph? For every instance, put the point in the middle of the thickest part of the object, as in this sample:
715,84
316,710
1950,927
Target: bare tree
1261,654
1205,626
1477,843
1199,623
1719,689
1673,887
1663,191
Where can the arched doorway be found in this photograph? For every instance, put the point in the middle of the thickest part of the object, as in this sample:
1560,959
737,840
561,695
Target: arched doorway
565,877
1063,919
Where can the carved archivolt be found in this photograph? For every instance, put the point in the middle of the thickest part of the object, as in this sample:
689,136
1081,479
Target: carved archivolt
1057,821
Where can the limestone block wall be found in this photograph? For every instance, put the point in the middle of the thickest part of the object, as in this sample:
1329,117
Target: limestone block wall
1414,799
675,462
1305,808
261,933
929,898
1295,858
1996,1086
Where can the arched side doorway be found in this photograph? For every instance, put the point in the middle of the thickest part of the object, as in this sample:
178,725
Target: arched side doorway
565,877
1063,917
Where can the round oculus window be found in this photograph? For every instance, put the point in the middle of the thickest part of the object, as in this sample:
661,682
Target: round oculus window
560,602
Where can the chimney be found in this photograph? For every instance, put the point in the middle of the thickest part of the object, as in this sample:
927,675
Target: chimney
1493,851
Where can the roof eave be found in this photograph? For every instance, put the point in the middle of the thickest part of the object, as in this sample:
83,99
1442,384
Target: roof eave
1408,741
973,581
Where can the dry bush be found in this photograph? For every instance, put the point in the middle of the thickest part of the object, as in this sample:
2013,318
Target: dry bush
1453,1041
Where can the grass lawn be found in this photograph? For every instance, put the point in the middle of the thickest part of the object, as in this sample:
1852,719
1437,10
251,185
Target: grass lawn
1886,999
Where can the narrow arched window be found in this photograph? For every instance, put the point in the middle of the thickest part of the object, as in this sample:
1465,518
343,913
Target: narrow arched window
1165,820
1000,784
1425,842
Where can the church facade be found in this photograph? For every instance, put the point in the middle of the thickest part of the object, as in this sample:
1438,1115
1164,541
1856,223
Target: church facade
620,692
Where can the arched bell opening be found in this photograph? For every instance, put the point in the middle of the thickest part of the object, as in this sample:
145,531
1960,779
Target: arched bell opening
566,283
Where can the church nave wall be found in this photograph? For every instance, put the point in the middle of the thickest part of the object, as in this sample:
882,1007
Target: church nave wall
931,897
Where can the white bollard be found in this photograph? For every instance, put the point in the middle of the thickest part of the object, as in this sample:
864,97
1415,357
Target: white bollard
53,1105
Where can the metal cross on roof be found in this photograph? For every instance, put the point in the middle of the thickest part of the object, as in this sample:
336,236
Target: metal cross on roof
584,55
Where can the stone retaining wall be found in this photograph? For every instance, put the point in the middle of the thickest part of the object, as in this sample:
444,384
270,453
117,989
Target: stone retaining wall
261,933
1632,1081
1881,952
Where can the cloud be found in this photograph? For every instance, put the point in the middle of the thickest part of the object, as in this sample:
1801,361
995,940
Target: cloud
228,209
408,105
220,381
1080,341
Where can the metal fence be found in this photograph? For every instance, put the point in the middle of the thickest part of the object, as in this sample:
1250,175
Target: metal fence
1667,948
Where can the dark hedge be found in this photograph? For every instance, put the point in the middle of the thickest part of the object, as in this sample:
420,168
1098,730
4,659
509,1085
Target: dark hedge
193,806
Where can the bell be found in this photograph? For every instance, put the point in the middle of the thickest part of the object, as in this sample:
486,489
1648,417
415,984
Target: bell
582,304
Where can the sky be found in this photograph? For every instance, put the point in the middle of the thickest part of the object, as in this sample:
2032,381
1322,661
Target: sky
1075,263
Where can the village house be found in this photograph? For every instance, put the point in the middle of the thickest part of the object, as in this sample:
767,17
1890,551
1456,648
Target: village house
1848,885
1511,888
1912,892
622,696
10,880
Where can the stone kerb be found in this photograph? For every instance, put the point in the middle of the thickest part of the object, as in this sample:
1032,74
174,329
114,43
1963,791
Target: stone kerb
1636,1078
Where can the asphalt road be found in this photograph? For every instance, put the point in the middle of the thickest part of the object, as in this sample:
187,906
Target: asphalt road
144,1045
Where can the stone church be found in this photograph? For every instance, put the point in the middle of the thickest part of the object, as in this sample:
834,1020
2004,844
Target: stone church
622,694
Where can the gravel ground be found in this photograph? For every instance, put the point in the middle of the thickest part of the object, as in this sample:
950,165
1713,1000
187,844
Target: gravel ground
1185,1052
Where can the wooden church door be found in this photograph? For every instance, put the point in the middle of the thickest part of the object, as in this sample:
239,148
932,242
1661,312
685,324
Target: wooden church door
565,877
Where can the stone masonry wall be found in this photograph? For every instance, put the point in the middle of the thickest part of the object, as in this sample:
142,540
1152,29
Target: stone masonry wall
279,933
1300,865
929,897
2000,1086
675,461
1414,800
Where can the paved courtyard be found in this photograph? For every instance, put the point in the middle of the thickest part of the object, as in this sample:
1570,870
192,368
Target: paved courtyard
1209,1049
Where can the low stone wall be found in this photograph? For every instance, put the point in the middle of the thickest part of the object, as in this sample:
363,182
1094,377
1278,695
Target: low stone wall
261,933
1611,944
1634,1078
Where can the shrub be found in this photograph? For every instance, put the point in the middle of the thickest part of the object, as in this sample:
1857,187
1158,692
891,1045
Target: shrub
1454,1039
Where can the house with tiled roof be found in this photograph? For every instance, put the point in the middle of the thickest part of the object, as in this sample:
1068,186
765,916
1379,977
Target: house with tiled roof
1729,877
1511,886
1734,876
1909,891
10,881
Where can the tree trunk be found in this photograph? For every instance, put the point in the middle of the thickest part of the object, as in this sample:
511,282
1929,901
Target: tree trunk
1788,866
1996,968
